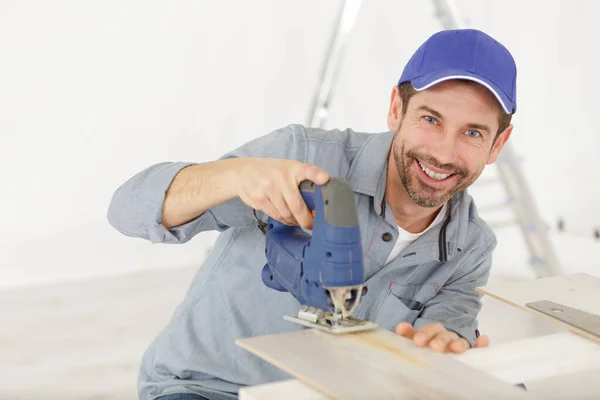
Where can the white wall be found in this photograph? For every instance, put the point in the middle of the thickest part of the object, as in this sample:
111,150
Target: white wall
92,92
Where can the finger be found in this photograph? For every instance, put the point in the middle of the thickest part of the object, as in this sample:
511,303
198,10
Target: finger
442,341
462,345
298,208
482,341
459,346
427,332
312,173
268,208
281,205
405,329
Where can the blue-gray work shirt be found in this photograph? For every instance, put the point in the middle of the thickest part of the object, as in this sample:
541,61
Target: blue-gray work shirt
432,280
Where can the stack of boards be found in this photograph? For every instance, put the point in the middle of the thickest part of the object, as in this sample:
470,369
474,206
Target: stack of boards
379,364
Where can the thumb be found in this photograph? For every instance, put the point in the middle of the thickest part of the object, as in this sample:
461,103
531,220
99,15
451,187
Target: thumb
405,329
312,173
482,341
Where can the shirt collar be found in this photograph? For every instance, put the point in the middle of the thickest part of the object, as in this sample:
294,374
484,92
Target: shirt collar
368,171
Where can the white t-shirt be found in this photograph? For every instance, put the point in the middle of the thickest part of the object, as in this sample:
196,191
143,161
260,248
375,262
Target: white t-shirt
405,238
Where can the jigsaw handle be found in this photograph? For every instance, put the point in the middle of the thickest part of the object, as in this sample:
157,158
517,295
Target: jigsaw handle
304,264
296,237
309,192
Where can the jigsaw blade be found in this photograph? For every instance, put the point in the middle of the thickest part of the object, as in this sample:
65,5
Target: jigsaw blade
344,300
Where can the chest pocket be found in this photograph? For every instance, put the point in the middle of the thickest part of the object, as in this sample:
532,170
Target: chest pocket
404,303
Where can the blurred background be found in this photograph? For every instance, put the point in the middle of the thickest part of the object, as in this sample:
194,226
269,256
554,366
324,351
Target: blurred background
93,92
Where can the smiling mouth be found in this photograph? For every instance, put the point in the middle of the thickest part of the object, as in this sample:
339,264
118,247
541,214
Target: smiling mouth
434,175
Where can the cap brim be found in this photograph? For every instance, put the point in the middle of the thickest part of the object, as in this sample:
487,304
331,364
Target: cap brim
426,81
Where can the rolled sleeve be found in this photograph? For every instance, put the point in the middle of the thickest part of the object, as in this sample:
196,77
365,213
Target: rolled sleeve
158,233
457,304
137,205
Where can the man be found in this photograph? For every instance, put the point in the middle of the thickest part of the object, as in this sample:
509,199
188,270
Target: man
425,248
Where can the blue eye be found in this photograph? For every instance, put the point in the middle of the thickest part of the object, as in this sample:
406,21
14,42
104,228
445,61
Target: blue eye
430,119
472,133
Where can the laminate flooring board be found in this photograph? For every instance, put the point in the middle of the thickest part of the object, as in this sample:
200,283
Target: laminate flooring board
290,390
535,359
581,291
376,365
572,359
583,385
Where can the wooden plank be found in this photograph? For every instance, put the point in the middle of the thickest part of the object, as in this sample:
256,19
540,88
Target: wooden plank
581,291
523,361
290,389
577,386
535,359
375,364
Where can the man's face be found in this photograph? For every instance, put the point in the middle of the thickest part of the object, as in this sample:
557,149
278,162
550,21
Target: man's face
445,140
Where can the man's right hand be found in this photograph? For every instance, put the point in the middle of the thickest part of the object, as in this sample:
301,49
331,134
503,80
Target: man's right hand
271,185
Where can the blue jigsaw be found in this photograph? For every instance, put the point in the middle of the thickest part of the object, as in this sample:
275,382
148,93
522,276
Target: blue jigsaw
323,271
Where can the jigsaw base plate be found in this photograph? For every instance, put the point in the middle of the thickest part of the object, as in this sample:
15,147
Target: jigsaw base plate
346,325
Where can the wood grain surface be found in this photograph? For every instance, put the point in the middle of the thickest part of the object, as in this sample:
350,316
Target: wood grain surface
376,365
581,291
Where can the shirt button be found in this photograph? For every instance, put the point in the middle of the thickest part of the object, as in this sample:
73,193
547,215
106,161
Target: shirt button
386,237
364,290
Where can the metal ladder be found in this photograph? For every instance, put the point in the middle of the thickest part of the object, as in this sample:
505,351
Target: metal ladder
543,258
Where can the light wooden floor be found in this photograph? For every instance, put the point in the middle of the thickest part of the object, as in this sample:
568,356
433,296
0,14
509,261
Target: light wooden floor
83,340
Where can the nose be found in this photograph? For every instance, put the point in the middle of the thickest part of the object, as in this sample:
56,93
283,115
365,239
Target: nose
443,147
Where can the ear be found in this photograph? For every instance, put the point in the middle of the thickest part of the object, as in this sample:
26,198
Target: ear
395,111
497,146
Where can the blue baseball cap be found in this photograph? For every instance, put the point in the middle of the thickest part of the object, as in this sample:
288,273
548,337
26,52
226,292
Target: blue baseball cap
465,54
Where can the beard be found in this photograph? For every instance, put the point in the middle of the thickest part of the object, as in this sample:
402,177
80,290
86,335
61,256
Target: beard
419,192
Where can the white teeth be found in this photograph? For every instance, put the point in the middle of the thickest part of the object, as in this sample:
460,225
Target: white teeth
434,175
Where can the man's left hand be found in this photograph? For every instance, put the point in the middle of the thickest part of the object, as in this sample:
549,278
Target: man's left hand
438,338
